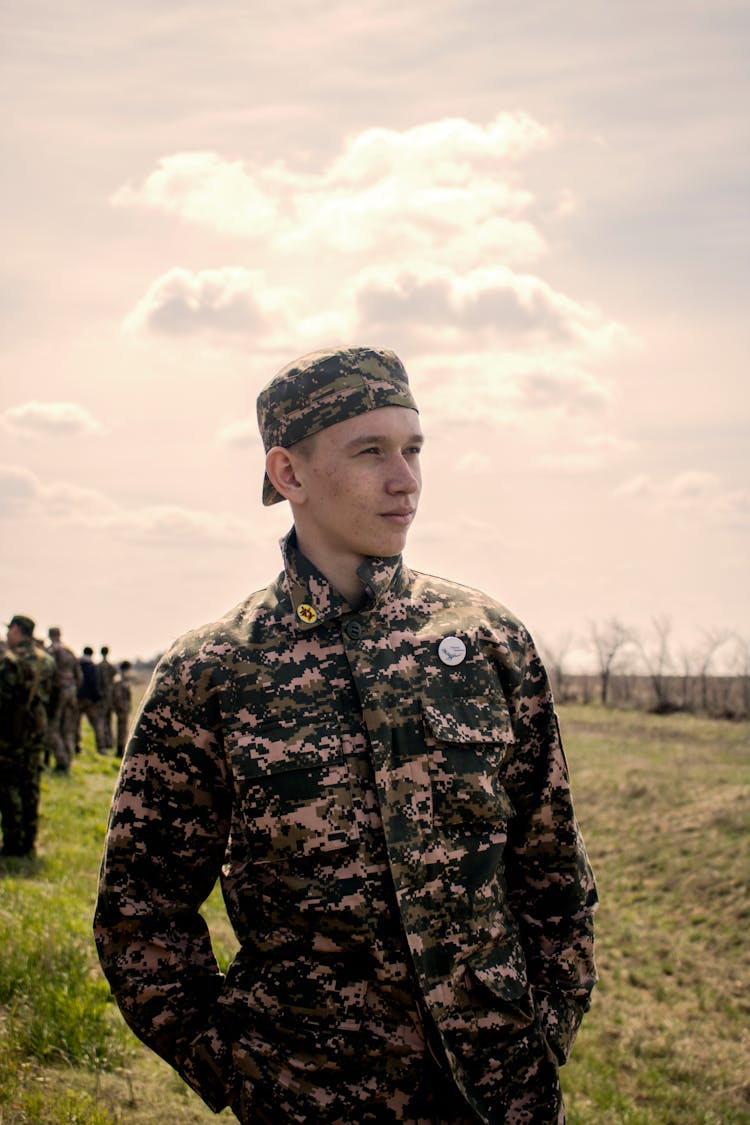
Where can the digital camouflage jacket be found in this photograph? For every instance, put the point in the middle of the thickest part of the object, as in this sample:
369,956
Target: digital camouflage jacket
27,688
384,795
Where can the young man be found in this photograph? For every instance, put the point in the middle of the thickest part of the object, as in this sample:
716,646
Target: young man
63,723
369,757
90,699
122,697
27,687
107,673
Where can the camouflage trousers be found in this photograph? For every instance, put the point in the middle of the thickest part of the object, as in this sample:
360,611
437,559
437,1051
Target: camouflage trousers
95,715
107,713
20,787
436,1102
441,1104
423,1090
62,728
123,722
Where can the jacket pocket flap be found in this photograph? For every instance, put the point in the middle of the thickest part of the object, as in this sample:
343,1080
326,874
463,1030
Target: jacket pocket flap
468,720
502,970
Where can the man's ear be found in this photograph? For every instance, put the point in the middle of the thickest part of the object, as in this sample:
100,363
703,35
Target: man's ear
281,473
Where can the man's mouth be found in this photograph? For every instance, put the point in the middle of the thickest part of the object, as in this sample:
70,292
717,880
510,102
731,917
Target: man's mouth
401,516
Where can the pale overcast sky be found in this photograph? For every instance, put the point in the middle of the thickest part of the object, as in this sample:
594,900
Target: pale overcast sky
542,208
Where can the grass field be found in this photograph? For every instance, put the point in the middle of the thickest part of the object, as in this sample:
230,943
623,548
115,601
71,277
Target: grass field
663,802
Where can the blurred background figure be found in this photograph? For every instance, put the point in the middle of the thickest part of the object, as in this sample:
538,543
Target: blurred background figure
90,699
122,699
27,685
63,722
107,675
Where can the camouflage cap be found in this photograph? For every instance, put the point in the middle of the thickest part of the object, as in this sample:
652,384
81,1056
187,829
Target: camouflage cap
326,387
25,624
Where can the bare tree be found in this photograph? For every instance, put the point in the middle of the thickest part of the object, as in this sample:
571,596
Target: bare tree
555,659
657,659
687,661
712,640
741,667
607,641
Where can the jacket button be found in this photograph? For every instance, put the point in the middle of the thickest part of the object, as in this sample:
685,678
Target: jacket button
353,629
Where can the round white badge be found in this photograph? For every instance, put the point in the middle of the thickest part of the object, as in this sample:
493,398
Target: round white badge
452,650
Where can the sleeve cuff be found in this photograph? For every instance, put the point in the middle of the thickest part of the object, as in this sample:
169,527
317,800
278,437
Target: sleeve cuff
206,1065
560,1017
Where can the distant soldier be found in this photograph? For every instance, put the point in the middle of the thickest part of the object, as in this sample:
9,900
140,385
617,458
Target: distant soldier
90,699
27,683
107,674
63,722
122,700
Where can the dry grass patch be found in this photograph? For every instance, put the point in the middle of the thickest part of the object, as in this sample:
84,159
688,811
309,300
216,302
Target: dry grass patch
664,806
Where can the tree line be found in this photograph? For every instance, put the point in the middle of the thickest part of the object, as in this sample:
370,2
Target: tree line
647,670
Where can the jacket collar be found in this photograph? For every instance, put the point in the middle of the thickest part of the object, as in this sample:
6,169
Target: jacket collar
313,598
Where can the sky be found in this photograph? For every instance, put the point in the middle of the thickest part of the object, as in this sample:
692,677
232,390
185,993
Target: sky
542,208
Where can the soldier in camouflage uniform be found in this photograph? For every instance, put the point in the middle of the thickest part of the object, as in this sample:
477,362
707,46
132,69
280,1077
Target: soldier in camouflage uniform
63,722
107,673
369,758
27,683
90,700
122,701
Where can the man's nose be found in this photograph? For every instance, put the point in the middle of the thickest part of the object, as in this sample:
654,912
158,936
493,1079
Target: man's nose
404,479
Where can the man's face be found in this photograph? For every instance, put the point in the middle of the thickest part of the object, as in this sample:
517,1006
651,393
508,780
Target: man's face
14,635
362,481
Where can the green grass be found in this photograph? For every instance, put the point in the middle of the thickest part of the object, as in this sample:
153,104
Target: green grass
54,1006
66,1057
663,802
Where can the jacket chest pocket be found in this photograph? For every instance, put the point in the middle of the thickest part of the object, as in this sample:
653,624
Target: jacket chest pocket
294,792
467,741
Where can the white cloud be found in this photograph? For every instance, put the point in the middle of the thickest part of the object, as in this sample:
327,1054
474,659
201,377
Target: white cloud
173,525
427,311
205,188
505,387
17,486
443,189
447,197
231,300
450,148
707,493
241,433
694,493
572,391
638,485
691,488
493,304
52,418
481,403
584,449
164,524
74,504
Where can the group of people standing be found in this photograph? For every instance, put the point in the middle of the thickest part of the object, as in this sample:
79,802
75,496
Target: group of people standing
45,691
97,690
